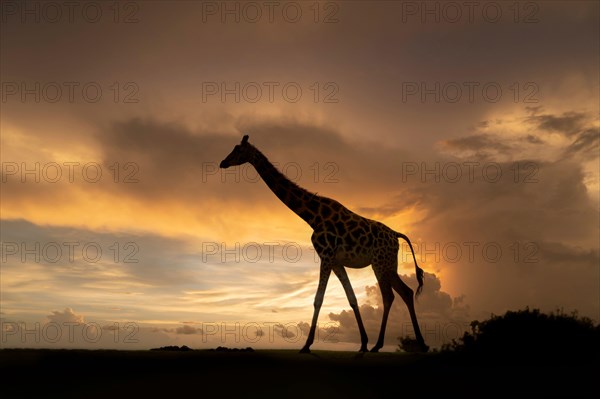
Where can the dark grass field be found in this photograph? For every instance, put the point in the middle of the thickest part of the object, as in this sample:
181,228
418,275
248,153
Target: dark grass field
282,374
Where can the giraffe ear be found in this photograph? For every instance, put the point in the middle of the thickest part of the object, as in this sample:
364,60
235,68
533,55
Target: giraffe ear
245,139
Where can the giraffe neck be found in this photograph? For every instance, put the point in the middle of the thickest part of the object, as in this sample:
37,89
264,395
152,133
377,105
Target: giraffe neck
302,202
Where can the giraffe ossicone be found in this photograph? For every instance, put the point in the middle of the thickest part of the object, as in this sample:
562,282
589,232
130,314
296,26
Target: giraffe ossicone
342,239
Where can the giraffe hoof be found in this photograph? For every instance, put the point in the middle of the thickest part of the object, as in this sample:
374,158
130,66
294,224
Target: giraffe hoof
305,350
374,349
363,349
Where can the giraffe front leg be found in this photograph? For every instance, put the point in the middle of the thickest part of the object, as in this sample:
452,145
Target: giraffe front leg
340,272
323,278
388,297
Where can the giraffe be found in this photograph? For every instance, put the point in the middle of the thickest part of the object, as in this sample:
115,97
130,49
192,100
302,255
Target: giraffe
342,239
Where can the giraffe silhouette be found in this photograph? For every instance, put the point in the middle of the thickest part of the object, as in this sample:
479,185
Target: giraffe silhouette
342,239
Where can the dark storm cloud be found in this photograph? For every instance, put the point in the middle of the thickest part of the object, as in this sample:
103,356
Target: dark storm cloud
576,126
568,123
169,156
585,144
525,220
369,54
172,151
534,139
483,145
175,162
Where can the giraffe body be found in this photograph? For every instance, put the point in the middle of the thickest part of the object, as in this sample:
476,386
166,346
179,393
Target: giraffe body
342,239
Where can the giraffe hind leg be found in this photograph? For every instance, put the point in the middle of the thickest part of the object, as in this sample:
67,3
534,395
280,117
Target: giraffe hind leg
388,298
407,294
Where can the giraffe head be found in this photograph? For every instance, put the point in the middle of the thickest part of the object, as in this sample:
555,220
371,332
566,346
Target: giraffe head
241,154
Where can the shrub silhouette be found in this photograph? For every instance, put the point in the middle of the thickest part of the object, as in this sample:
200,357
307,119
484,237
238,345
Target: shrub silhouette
173,348
529,335
225,349
408,344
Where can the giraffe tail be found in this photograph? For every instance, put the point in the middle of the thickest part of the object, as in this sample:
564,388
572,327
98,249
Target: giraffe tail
418,271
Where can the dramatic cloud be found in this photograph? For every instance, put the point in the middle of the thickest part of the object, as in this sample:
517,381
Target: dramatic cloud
479,145
529,238
537,136
585,144
569,123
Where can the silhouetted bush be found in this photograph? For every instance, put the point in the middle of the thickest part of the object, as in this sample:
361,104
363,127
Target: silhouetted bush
173,348
408,344
529,335
225,349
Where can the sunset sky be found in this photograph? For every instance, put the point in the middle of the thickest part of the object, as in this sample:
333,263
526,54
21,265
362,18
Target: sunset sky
474,131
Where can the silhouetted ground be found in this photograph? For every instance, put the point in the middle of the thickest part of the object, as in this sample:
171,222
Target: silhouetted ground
280,373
